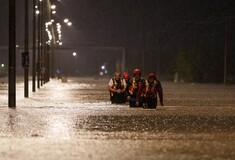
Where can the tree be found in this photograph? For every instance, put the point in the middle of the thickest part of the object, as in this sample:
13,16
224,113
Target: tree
202,63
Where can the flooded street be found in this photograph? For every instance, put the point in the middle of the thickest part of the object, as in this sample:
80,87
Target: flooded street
76,120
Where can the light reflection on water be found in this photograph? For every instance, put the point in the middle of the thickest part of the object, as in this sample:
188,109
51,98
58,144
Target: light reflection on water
197,119
58,127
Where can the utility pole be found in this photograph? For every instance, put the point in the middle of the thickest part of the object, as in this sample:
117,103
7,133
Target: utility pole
225,48
25,55
42,59
12,57
39,46
34,49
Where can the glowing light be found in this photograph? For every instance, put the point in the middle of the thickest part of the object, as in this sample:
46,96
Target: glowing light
66,20
74,54
101,73
53,6
2,65
102,67
60,43
53,12
69,23
37,11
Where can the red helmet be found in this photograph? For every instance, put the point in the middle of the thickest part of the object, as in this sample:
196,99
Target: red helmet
126,75
151,75
137,71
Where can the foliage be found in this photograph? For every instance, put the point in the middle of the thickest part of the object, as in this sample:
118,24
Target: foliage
202,63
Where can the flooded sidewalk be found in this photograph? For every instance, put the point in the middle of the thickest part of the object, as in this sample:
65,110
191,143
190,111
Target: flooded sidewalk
76,120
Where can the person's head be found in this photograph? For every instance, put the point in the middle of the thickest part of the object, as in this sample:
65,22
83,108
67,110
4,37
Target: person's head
117,75
151,77
126,75
137,73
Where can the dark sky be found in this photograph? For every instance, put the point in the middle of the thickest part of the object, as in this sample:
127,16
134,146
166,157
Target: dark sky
124,21
150,26
121,21
138,25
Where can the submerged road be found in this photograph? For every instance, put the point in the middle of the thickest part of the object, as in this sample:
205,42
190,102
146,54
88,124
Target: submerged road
75,120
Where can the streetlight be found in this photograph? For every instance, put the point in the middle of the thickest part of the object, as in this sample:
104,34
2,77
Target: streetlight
75,61
53,7
69,23
66,20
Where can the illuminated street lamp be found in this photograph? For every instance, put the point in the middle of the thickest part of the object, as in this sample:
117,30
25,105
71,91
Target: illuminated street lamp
37,11
69,23
53,7
75,61
66,20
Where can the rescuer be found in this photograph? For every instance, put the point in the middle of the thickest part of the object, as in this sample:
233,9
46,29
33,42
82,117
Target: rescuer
116,87
152,89
136,90
126,77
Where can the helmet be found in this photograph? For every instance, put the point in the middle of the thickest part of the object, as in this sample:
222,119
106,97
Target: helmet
137,71
151,75
126,75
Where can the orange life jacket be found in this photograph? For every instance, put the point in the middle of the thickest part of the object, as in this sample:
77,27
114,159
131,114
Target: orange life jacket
150,90
117,85
136,86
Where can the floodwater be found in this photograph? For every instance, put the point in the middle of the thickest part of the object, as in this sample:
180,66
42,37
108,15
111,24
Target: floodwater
75,120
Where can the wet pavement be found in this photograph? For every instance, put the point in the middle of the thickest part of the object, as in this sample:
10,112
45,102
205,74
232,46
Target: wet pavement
75,120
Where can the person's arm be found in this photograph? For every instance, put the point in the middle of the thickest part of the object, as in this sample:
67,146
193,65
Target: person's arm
160,93
110,85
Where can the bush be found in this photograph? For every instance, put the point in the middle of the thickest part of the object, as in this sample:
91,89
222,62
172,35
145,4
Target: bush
203,63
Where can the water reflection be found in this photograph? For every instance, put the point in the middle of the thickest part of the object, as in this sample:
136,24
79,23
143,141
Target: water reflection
58,126
158,123
12,119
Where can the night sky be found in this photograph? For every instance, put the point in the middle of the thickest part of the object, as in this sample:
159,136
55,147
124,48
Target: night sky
155,28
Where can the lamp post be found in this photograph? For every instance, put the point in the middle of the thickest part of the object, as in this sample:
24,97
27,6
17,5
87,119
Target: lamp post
75,63
25,55
38,43
225,48
12,57
34,48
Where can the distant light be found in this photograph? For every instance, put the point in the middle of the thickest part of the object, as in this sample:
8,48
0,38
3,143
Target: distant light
60,43
53,12
36,6
52,20
69,23
74,54
53,6
102,67
17,46
37,11
101,73
2,65
49,23
66,20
